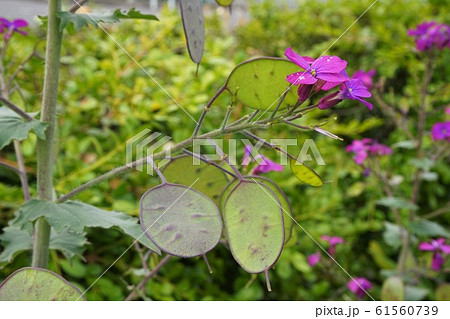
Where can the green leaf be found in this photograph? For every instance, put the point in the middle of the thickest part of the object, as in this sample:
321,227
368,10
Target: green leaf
16,240
443,292
208,179
428,228
288,213
224,3
76,21
305,174
35,284
14,127
260,83
397,202
180,220
194,27
379,256
415,293
391,235
75,216
406,145
393,289
254,224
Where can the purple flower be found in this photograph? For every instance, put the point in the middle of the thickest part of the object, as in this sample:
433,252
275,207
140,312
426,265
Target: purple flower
313,259
350,90
438,246
365,77
12,26
365,148
333,241
447,110
265,165
379,149
327,68
359,285
429,35
441,131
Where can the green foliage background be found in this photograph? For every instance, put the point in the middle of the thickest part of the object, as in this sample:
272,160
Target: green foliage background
105,98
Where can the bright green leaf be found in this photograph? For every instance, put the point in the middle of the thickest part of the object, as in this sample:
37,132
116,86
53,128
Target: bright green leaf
305,174
224,3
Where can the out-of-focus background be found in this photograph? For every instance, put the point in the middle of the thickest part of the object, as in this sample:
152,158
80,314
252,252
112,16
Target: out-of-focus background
105,99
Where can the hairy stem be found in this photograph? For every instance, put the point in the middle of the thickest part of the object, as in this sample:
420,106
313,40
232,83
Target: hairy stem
16,109
45,147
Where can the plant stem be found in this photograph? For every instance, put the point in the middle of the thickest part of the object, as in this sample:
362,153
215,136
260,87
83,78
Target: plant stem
206,109
16,109
144,281
77,6
209,162
44,148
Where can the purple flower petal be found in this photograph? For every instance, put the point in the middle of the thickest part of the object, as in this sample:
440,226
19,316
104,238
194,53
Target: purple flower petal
313,259
332,77
426,246
437,261
329,64
19,23
296,58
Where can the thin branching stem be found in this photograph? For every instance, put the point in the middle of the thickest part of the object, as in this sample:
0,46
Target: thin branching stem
209,162
16,109
206,110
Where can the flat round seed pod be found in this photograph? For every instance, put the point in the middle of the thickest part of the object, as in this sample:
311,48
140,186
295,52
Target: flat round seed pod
194,27
280,195
305,174
261,82
36,284
180,220
210,180
254,224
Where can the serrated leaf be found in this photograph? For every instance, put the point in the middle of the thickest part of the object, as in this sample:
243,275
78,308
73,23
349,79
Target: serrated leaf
35,284
16,240
254,224
393,289
397,202
428,228
76,21
14,127
180,220
76,216
194,28
208,179
259,83
305,174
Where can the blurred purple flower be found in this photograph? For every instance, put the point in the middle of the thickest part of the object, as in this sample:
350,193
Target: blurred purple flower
365,77
327,68
439,247
358,285
447,110
441,131
333,241
265,165
12,26
429,35
313,259
351,90
365,148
